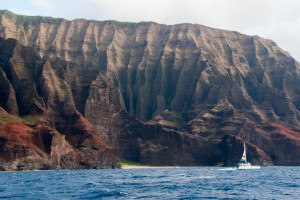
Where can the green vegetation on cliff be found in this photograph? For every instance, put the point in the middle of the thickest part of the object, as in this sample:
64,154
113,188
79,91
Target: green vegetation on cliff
26,21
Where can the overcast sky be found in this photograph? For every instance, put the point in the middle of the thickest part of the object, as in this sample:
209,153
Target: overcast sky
278,20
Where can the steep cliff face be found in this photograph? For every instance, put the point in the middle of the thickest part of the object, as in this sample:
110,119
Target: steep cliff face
157,91
51,133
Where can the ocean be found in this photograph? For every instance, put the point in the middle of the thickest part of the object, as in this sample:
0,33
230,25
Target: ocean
155,183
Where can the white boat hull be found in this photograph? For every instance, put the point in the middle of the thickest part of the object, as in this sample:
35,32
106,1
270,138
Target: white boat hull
243,167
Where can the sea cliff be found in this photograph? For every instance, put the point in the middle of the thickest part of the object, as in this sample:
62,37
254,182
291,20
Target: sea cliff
156,94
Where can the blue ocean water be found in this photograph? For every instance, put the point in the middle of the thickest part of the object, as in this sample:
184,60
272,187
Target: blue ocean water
163,183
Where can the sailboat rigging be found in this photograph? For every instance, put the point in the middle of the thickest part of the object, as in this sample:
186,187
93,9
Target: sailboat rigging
243,164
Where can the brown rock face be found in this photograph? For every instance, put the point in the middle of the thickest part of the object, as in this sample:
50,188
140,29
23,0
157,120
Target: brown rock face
8,98
51,133
181,95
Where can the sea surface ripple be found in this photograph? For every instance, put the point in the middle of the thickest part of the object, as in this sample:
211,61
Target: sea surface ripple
156,183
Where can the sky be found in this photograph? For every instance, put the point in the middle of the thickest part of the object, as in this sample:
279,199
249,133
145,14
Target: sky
278,20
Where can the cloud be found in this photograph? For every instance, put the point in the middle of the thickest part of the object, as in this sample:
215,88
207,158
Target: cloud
43,4
129,10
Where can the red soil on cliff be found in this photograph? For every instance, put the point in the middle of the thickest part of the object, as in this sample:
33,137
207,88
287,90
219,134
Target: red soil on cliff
287,132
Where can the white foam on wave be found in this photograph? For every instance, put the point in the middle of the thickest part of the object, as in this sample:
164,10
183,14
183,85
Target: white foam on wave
206,177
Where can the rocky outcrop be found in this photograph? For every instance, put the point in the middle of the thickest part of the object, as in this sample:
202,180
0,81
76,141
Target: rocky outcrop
163,94
8,98
44,130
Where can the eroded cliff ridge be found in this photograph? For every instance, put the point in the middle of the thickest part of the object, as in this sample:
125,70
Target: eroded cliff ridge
163,95
40,127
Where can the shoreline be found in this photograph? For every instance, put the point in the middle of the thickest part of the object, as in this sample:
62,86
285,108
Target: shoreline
126,166
152,167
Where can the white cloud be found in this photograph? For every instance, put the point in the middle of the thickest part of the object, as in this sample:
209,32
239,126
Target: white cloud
43,4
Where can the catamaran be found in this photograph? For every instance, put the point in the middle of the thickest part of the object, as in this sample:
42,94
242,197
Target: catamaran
243,164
